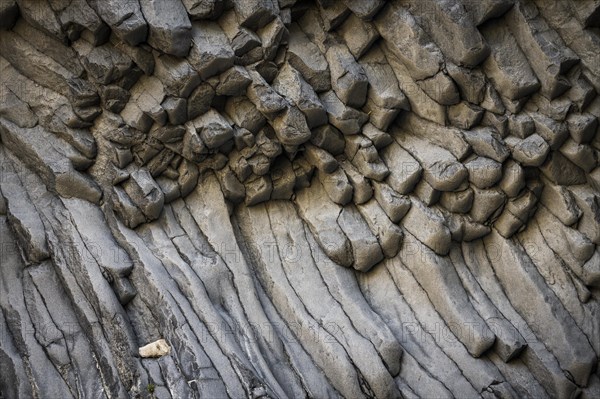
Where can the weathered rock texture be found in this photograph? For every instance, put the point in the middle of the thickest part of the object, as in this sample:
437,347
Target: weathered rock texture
289,198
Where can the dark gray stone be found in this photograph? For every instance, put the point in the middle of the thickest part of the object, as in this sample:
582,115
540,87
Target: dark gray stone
169,28
211,52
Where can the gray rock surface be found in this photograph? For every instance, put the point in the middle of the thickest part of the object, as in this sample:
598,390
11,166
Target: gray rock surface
290,83
124,18
211,52
325,199
169,28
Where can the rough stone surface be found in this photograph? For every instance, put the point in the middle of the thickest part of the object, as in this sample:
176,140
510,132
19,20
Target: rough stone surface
507,66
348,78
484,172
532,151
169,28
290,83
211,52
306,57
312,199
428,227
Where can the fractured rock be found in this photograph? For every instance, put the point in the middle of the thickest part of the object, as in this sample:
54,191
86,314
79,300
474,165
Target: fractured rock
348,78
553,132
452,28
487,204
258,189
333,14
420,103
176,109
379,138
507,67
407,40
176,74
56,170
272,35
513,178
405,171
348,120
321,216
306,57
548,61
358,35
560,170
364,9
283,178
440,88
388,234
428,227
264,97
145,193
290,83
393,204
582,127
364,156
517,263
328,138
244,114
243,40
169,28
420,140
487,143
588,202
337,186
124,18
22,216
203,9
532,151
320,158
200,100
450,138
213,128
254,13
211,52
581,155
440,168
470,82
464,115
362,191
521,125
365,248
561,203
484,172
15,110
457,201
291,127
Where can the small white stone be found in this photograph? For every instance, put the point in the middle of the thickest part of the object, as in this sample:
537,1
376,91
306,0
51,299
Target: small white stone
157,348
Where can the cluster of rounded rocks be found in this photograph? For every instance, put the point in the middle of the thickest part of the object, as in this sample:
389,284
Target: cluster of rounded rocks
444,120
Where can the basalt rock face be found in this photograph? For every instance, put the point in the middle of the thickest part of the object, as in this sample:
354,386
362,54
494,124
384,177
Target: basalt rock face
318,199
